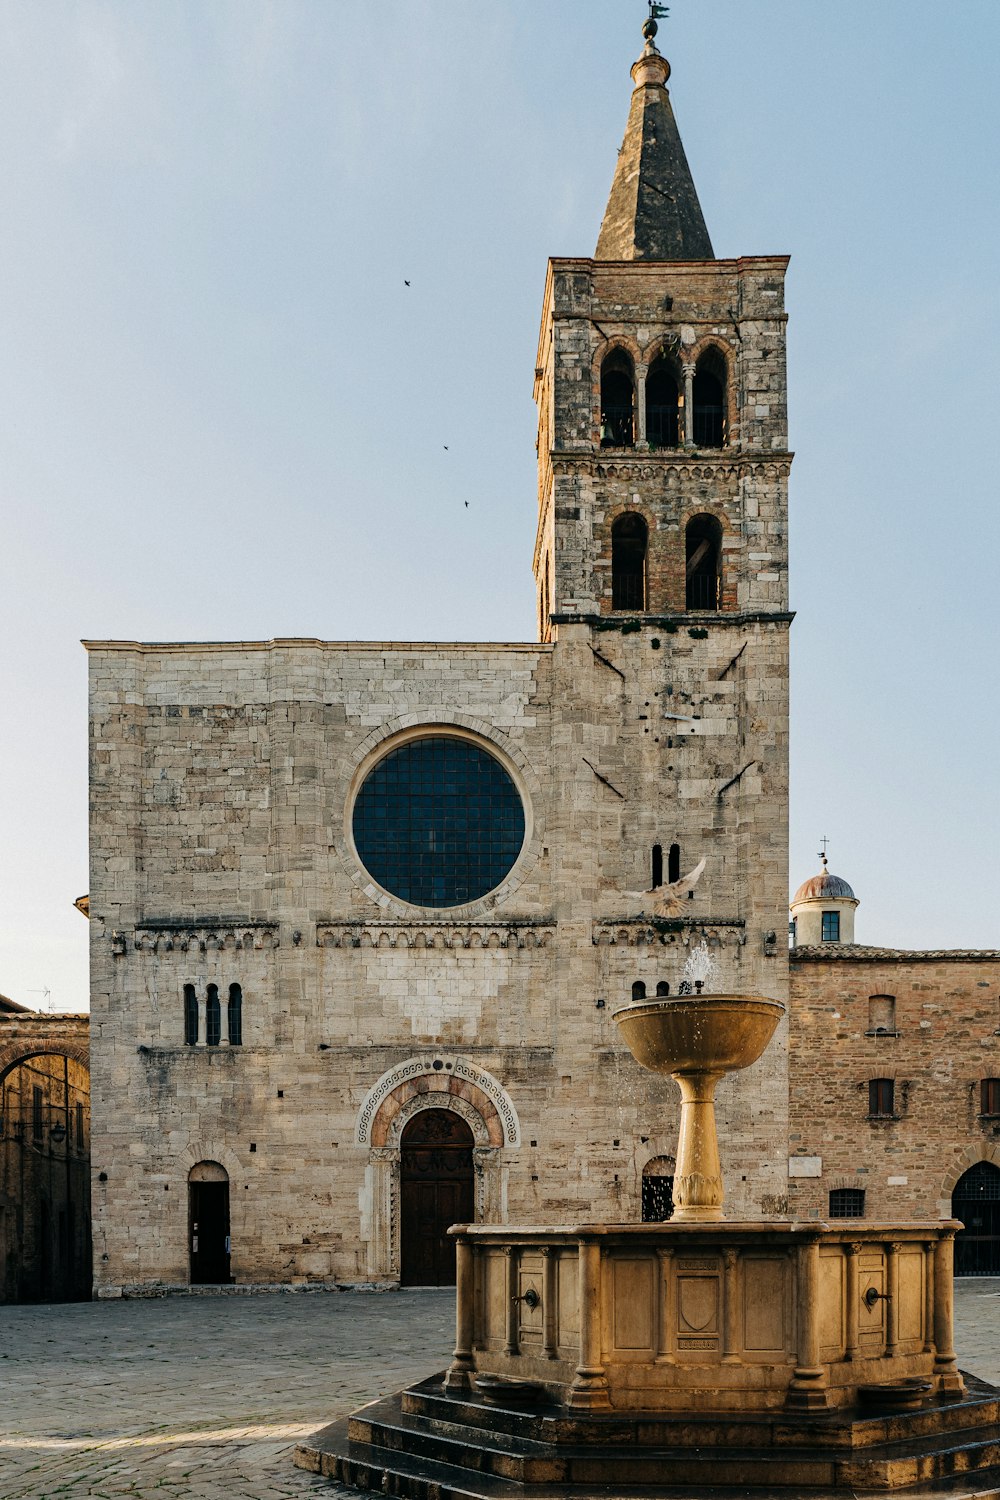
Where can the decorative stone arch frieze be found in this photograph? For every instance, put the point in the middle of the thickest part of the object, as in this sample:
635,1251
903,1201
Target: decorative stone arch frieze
433,1082
397,731
441,1074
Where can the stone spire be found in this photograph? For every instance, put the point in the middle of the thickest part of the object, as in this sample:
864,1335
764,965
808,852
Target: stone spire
653,212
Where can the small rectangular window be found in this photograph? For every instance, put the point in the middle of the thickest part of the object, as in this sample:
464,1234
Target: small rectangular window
831,927
882,1014
881,1098
847,1203
36,1114
990,1096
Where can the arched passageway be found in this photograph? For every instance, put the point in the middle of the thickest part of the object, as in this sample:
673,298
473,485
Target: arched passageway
976,1201
436,1181
45,1245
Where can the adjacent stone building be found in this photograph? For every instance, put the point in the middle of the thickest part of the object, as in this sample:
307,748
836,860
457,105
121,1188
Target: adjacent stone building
361,912
894,1109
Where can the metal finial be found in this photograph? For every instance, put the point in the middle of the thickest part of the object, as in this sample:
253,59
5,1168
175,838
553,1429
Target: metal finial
824,841
657,12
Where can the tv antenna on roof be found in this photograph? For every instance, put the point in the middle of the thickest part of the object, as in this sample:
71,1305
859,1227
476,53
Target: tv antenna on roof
46,995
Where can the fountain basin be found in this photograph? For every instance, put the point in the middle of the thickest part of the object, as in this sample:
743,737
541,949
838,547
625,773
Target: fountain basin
695,1033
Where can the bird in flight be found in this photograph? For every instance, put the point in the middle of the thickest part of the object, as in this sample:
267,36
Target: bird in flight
446,447
669,900
405,282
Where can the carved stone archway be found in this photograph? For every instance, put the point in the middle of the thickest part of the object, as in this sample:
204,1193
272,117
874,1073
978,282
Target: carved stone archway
448,1083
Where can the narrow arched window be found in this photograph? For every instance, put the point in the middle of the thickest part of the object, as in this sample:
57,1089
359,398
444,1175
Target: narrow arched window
213,1016
638,990
674,863
710,426
662,402
617,401
657,866
190,1016
662,988
704,563
628,562
234,1016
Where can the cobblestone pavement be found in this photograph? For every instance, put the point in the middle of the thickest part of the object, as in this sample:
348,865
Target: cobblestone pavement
203,1398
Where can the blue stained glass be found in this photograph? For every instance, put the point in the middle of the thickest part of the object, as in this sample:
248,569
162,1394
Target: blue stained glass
438,822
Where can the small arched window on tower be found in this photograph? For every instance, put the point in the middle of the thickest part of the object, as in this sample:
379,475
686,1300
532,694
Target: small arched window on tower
234,1016
704,563
213,1017
190,1016
657,866
628,562
617,400
638,990
674,863
662,401
710,426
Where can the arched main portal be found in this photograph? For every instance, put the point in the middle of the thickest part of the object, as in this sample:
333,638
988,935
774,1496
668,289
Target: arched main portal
436,1191
976,1201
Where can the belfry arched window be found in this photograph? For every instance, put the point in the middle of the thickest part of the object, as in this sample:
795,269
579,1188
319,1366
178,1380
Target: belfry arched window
190,1016
213,1016
629,536
662,403
704,563
710,425
234,1016
617,400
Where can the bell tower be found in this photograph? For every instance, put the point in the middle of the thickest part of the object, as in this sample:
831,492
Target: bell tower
661,564
660,384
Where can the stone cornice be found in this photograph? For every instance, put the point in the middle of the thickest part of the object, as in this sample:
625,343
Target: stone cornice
861,953
682,466
694,621
167,936
641,932
528,932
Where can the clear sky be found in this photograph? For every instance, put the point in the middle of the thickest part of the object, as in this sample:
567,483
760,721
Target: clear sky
223,415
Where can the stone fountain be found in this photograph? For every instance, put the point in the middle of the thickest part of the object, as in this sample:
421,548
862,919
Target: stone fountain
697,1356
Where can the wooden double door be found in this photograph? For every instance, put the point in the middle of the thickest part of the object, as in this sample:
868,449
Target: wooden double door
436,1191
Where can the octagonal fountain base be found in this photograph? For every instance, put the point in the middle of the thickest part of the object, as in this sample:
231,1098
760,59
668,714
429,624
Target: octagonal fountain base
677,1360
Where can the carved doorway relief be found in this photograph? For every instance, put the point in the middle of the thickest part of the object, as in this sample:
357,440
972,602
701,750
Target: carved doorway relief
491,1129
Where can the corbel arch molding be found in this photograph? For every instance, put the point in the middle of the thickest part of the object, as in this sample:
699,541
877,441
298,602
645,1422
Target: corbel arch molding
387,736
442,1082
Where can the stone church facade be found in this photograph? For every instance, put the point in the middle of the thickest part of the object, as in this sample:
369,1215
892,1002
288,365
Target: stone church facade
361,912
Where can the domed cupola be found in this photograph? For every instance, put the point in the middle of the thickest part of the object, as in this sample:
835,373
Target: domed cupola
823,910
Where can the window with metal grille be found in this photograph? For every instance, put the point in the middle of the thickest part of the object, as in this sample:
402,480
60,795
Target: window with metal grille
831,927
213,1016
989,1096
657,1198
190,1016
847,1203
703,551
629,536
710,425
234,1016
662,402
881,1098
617,400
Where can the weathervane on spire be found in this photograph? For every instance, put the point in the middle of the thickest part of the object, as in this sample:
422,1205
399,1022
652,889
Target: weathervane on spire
657,12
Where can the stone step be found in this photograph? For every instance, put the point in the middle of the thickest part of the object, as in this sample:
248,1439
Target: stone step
840,1429
369,1468
528,1462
